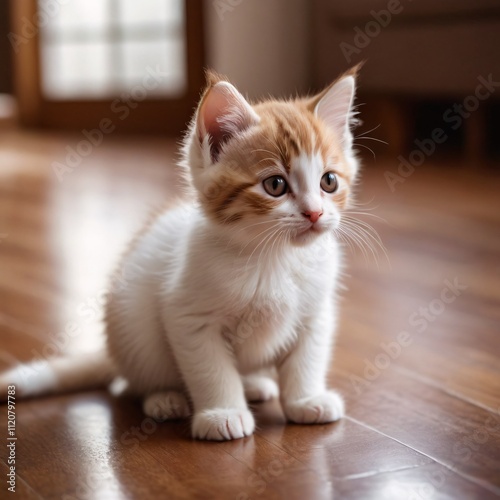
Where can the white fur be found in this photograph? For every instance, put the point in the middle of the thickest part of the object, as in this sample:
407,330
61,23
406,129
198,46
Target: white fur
204,311
199,315
209,309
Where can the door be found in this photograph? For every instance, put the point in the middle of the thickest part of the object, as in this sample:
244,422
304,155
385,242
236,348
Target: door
125,65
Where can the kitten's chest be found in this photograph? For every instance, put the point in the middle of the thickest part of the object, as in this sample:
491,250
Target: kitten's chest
265,327
265,310
267,323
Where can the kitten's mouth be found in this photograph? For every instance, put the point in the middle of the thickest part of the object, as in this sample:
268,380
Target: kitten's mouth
311,230
314,228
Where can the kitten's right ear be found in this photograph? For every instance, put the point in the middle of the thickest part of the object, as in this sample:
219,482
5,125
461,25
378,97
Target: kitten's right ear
335,105
222,114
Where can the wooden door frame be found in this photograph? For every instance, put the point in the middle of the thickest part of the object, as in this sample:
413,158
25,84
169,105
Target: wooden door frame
164,116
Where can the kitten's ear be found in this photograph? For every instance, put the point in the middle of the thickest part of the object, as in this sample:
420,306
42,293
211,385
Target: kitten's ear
335,105
222,114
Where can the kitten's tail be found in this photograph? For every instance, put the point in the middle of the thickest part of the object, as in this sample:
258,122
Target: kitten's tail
58,375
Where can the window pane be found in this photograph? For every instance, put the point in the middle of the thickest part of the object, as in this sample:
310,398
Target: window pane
75,14
151,11
96,49
164,60
74,70
147,32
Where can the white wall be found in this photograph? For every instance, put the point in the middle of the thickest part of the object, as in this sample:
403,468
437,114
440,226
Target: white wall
263,46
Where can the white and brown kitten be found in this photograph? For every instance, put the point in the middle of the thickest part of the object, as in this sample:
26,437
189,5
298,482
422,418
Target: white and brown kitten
237,279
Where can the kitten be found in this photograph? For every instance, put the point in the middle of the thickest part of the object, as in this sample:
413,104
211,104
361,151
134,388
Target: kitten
239,278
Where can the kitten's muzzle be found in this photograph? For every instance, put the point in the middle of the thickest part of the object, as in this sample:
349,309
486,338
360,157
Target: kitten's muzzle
312,216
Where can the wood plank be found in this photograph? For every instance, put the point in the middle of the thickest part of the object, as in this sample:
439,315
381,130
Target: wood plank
77,446
427,481
430,419
452,432
22,488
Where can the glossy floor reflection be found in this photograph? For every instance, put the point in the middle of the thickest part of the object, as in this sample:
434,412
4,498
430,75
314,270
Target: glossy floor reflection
418,352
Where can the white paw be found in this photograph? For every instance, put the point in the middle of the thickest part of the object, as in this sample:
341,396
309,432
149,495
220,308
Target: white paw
320,409
166,406
223,424
260,388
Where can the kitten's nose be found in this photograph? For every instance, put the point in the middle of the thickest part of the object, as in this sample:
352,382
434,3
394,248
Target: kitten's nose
312,216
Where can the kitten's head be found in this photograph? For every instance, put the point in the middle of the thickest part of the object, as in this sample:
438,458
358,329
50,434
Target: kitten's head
277,168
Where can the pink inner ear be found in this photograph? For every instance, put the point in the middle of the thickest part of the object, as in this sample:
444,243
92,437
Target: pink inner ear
223,113
335,106
215,107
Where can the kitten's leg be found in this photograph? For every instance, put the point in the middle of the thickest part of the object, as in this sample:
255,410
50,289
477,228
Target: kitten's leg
304,396
168,405
259,387
214,384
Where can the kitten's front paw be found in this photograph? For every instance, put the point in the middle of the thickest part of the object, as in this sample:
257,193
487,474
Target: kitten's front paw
223,424
320,409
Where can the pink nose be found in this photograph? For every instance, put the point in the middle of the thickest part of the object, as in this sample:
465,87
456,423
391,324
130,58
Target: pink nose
312,216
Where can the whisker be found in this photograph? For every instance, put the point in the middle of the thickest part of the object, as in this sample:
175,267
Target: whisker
372,139
360,242
273,239
361,222
264,240
256,236
369,232
267,159
361,206
364,223
368,131
345,240
364,211
277,146
366,233
366,147
347,213
272,153
244,228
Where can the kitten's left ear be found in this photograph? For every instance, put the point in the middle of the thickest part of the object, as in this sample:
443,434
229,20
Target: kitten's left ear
222,114
335,105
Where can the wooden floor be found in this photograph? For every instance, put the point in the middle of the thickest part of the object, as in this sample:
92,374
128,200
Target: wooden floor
418,352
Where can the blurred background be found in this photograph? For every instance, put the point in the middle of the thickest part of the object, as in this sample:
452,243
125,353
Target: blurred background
67,64
94,97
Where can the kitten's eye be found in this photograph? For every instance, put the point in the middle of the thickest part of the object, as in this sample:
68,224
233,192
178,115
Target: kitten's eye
275,186
329,182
